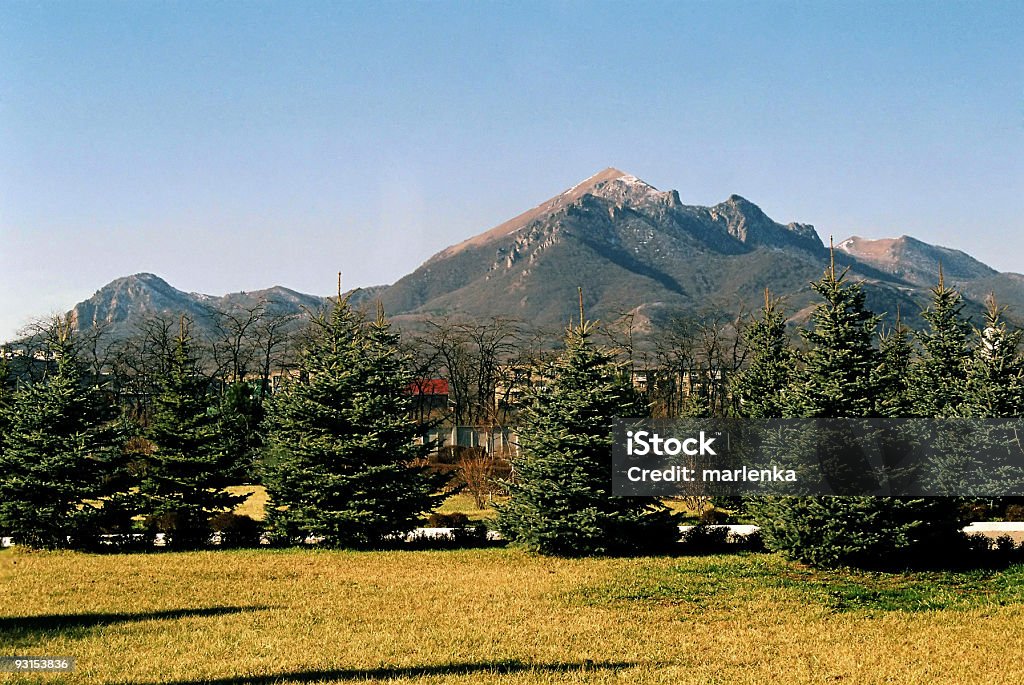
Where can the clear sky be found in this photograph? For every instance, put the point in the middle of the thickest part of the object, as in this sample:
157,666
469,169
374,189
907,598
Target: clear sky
233,146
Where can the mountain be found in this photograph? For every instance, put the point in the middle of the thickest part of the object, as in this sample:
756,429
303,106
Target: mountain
132,298
632,249
121,305
913,261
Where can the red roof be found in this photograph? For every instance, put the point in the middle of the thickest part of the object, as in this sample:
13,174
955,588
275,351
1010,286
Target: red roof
429,386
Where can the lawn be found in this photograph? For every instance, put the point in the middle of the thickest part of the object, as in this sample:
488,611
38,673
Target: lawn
501,616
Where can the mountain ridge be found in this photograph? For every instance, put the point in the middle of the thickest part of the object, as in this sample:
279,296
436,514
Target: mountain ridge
631,247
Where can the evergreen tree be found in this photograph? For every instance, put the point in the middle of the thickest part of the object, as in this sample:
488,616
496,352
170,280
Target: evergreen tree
841,380
995,370
240,415
760,389
838,377
940,373
343,465
182,484
894,373
994,390
60,450
561,500
5,396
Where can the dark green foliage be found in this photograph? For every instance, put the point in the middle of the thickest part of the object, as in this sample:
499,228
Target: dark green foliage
5,397
838,377
994,389
939,375
703,539
893,373
236,530
760,389
184,475
844,377
995,370
342,463
866,532
454,520
60,452
239,418
560,500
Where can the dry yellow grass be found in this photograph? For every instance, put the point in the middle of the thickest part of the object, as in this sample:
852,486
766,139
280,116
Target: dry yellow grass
255,504
500,616
462,502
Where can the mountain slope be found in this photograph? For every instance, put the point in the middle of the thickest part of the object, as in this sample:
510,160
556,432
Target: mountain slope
914,261
630,246
121,305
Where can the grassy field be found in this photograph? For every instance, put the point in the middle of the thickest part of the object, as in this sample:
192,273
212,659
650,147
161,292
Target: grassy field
500,616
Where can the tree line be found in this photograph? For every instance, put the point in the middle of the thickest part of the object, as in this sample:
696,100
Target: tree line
147,439
842,366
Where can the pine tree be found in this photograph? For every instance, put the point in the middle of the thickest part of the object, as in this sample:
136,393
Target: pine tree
240,415
994,372
994,390
838,377
760,389
343,465
60,450
5,396
940,373
561,500
183,483
841,380
894,373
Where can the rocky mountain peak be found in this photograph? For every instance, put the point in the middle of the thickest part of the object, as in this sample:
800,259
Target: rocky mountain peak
914,261
750,225
628,244
622,189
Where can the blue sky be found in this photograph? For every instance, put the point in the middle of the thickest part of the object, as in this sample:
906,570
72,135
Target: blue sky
233,146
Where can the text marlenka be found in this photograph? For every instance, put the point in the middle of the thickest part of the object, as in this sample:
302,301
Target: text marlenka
643,443
685,474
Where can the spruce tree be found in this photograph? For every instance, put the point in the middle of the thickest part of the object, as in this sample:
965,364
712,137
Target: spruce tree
840,379
894,373
5,396
60,451
560,497
343,465
994,375
760,389
240,415
182,484
940,372
994,390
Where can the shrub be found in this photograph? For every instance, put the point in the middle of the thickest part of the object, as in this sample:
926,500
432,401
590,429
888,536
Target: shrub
706,539
716,516
181,529
867,532
1014,512
752,542
453,520
236,530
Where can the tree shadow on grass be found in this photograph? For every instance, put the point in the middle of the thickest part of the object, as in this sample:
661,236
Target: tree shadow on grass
389,673
21,629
